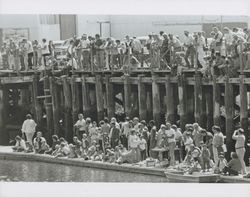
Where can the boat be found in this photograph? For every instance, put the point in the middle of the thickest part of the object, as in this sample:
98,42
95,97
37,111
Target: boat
181,177
234,179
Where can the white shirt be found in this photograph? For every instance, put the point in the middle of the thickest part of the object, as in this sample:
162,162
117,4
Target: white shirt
136,45
178,135
45,48
134,141
29,47
21,144
189,40
81,124
125,128
142,144
29,126
84,44
170,133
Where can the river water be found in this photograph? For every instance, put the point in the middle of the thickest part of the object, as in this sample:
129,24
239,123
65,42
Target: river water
29,171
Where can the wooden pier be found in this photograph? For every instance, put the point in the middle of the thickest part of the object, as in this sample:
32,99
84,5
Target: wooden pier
55,99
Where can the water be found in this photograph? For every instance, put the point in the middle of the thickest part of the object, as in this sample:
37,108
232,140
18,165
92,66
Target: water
29,171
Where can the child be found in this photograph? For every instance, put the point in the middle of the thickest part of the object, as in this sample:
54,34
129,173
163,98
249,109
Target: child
220,165
143,148
188,141
85,144
77,145
72,151
29,146
234,166
20,145
205,157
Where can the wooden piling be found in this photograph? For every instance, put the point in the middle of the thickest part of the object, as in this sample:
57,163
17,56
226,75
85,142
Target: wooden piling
216,102
156,100
182,101
48,109
55,104
142,99
149,104
209,107
229,110
170,105
243,106
99,97
110,97
197,98
37,106
75,98
67,109
85,98
127,96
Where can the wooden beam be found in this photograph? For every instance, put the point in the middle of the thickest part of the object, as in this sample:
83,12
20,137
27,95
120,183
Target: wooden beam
110,97
243,106
85,98
127,94
209,107
149,105
170,104
99,97
67,109
216,102
142,99
55,104
156,100
229,109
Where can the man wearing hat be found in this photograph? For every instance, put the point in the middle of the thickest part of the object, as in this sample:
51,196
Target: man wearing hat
114,135
29,128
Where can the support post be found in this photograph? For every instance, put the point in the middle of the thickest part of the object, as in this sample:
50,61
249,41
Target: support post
229,109
127,94
110,97
85,98
55,104
197,98
38,108
99,97
67,109
216,102
182,101
156,100
243,106
209,107
48,109
170,111
142,99
75,99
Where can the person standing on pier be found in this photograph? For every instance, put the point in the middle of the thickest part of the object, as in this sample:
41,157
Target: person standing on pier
29,128
240,147
80,126
190,50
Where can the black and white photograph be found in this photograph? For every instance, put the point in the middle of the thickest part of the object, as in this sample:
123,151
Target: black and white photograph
129,98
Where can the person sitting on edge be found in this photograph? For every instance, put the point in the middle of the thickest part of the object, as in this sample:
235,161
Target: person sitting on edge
20,145
92,151
72,151
40,143
63,151
55,141
234,166
56,151
77,145
30,148
220,165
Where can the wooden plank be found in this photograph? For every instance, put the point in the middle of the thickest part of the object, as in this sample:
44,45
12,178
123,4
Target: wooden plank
127,94
99,98
110,97
170,104
156,100
85,98
142,99
43,97
216,102
229,110
13,80
243,106
67,109
55,104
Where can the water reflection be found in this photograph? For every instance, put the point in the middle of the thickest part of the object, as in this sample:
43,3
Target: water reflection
39,171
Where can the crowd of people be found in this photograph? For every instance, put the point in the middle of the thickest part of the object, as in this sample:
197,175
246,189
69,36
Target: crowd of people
217,53
135,140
